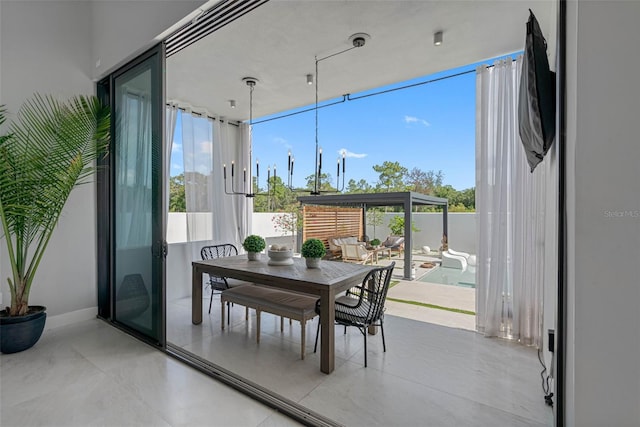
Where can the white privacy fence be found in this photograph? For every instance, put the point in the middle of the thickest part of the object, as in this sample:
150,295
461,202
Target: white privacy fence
462,229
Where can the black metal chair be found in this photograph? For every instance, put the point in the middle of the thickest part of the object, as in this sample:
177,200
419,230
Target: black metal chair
363,306
218,283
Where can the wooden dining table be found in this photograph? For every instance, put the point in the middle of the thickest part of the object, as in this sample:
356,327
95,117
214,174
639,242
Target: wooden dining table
326,282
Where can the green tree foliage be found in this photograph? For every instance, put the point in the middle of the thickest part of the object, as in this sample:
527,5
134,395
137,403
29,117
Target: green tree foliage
362,186
397,226
423,182
391,177
459,201
278,199
324,184
177,201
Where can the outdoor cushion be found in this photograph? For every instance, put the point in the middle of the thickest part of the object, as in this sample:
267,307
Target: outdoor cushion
393,241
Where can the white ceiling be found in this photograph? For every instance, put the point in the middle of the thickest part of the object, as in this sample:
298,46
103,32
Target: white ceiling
277,44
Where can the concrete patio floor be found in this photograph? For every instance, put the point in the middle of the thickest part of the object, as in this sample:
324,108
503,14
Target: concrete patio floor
429,293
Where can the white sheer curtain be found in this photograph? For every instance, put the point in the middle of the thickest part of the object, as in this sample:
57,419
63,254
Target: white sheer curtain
213,216
511,208
171,117
133,199
232,214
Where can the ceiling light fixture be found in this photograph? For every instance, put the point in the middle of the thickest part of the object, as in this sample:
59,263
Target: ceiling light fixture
309,79
251,82
232,103
357,40
437,38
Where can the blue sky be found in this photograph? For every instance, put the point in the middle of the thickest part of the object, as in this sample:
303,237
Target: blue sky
431,127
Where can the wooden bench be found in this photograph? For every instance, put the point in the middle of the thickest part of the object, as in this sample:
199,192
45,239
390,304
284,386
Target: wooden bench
281,303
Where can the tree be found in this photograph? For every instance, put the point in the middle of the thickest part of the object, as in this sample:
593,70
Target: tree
278,199
375,218
468,198
177,201
397,226
424,182
361,186
391,176
324,184
289,221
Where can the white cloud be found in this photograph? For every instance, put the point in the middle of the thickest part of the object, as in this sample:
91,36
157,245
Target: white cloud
282,141
413,119
176,166
351,154
206,147
176,147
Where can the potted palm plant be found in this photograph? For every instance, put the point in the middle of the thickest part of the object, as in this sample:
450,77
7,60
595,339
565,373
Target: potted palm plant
49,149
253,245
313,250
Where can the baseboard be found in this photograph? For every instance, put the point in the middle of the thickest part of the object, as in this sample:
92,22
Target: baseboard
71,317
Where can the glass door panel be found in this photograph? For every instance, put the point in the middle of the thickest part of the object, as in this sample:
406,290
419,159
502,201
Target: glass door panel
138,241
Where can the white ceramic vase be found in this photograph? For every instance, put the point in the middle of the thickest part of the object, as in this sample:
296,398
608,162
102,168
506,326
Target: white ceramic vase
313,262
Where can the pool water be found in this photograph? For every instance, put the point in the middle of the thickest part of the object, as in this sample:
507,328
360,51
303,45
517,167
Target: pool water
451,276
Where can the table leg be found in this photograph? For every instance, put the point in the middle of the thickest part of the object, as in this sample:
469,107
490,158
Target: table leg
327,338
196,296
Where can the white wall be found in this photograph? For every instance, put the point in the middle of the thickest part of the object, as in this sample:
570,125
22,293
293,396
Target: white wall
603,379
461,228
49,47
45,47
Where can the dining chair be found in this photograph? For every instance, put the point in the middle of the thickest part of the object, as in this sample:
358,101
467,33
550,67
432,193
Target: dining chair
219,283
363,305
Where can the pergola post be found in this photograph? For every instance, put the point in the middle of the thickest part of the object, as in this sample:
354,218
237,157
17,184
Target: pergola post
407,238
445,222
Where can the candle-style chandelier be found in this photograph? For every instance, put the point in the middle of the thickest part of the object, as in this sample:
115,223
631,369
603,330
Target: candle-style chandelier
247,189
357,40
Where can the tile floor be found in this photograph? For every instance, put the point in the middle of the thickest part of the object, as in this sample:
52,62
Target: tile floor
91,374
430,375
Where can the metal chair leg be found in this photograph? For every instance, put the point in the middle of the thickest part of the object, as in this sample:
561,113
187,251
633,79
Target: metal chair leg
210,300
384,345
365,348
315,347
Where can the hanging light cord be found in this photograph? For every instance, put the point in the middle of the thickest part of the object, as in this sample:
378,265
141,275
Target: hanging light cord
317,182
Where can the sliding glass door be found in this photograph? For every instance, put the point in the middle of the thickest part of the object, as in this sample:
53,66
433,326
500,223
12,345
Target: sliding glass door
137,249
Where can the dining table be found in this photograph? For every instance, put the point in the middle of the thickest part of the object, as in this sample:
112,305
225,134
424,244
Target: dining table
332,278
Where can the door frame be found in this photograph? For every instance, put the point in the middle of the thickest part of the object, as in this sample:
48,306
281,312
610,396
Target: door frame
105,201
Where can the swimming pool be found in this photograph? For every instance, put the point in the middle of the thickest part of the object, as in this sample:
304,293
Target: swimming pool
451,276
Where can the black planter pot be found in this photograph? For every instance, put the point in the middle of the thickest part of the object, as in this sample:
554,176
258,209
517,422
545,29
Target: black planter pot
19,333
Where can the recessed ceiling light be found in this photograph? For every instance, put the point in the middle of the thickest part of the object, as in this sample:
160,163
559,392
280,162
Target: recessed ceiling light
437,38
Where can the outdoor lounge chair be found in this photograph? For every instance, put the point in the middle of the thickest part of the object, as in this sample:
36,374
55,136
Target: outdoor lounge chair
356,253
363,306
471,259
394,244
453,261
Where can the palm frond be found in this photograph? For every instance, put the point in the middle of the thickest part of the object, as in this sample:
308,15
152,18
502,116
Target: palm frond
51,148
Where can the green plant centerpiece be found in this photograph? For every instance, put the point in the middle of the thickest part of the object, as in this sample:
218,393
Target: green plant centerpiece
50,148
375,243
253,245
313,250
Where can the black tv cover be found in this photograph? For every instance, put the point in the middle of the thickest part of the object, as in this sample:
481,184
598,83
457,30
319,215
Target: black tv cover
537,98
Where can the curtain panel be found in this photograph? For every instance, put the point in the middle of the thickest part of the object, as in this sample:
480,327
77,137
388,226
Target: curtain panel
515,247
212,215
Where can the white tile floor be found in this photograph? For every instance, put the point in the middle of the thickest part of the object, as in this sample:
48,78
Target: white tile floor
430,375
93,374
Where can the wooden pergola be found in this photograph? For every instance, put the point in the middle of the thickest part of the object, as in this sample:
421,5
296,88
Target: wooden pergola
406,199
